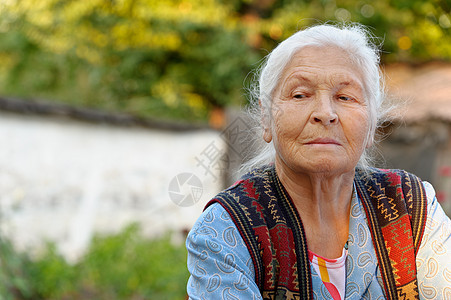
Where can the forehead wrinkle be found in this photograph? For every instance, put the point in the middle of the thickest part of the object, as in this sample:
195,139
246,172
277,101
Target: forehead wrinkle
346,80
301,75
296,76
338,80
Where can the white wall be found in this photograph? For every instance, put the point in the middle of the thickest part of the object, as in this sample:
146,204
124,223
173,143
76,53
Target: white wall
63,180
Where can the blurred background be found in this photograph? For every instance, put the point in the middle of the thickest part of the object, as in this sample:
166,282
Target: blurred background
120,119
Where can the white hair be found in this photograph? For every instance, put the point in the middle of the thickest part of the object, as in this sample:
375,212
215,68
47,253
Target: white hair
356,41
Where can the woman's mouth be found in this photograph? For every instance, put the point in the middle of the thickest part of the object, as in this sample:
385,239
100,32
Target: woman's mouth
323,141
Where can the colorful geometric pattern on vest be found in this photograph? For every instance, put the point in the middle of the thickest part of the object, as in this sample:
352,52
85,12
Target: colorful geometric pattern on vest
395,204
271,228
274,235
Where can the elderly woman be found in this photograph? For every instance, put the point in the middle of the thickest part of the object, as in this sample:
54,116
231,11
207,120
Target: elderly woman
311,219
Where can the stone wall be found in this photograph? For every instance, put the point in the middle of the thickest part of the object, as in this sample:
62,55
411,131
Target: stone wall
63,180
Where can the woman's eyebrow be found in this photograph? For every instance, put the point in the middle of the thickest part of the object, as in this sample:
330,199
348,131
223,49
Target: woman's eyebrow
344,80
350,83
296,78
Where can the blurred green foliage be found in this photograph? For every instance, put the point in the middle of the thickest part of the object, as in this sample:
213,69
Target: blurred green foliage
180,59
121,266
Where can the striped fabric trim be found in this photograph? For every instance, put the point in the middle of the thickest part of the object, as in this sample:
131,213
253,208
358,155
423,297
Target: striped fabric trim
418,212
404,202
379,244
300,239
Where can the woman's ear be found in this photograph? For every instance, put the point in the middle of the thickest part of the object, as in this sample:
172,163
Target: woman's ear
267,136
266,124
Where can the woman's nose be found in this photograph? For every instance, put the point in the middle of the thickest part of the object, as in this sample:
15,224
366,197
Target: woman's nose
324,112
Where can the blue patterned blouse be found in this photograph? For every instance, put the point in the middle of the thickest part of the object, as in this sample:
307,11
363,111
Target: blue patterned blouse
221,266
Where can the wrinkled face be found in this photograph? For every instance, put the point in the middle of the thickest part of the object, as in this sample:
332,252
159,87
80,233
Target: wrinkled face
319,113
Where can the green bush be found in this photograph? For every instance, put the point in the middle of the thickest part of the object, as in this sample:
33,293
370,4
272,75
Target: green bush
14,278
121,266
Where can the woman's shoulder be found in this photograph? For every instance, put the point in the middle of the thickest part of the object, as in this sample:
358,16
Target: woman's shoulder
383,174
257,177
218,259
251,186
213,220
436,216
432,260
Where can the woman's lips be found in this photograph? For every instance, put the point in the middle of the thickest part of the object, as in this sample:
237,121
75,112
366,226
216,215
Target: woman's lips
323,141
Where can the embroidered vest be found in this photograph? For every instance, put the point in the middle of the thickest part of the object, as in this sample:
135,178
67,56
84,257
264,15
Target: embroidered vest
395,205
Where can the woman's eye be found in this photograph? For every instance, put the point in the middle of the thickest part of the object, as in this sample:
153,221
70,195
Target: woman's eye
345,98
299,96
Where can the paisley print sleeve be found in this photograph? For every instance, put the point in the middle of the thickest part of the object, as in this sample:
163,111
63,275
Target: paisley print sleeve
434,255
218,260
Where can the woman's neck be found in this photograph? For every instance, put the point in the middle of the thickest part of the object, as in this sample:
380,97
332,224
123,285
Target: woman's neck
323,203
